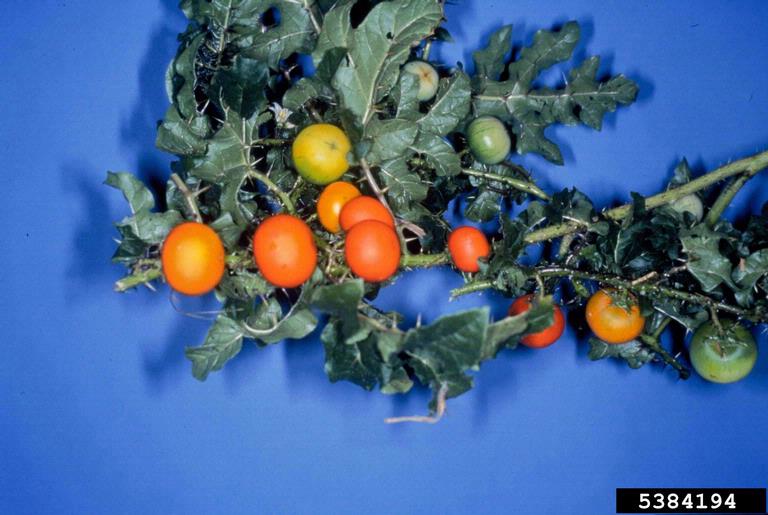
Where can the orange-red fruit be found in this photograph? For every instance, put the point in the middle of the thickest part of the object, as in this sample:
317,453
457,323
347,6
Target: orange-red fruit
331,201
466,245
612,323
284,250
364,208
192,258
543,338
372,250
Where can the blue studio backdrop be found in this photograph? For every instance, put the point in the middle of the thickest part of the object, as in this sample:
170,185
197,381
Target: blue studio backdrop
99,412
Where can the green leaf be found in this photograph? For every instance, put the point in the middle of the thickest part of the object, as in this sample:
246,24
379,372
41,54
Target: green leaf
377,49
223,342
391,138
438,153
182,137
705,262
269,325
138,196
405,95
336,30
634,353
747,274
228,230
490,61
294,34
450,106
443,351
241,87
243,285
506,332
403,186
341,301
549,47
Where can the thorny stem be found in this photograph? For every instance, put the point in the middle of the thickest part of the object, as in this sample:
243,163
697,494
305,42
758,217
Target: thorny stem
726,196
271,142
271,186
749,166
424,260
418,231
644,289
517,184
147,271
652,341
189,197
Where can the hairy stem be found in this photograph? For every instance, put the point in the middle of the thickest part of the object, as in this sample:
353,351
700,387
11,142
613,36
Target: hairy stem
749,166
517,184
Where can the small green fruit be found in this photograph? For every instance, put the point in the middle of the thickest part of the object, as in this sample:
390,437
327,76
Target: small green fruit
428,78
690,203
489,140
726,357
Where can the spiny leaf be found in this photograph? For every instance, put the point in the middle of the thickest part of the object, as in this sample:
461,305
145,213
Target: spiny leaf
377,49
634,352
450,106
490,61
241,87
529,111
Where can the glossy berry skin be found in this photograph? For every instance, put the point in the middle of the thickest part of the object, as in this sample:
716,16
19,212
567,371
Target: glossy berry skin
723,358
543,338
466,245
331,201
428,78
193,258
612,323
489,140
319,153
364,208
372,250
284,250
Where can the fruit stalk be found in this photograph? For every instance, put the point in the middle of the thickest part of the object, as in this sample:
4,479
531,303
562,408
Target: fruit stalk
749,166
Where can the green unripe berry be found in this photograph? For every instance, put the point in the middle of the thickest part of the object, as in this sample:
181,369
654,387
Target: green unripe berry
489,140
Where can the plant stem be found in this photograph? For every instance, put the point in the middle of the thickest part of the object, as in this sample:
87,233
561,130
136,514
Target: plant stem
653,343
424,260
517,184
418,231
149,273
271,142
271,186
726,196
749,165
644,289
189,197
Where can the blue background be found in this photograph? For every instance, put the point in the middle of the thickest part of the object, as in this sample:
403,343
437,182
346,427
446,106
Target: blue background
99,413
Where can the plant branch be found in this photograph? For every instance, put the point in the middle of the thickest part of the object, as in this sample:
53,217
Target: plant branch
189,197
415,229
424,260
148,271
726,196
517,184
271,186
653,343
750,166
645,289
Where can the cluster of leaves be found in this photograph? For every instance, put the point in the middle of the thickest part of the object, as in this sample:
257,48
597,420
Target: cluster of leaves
240,88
